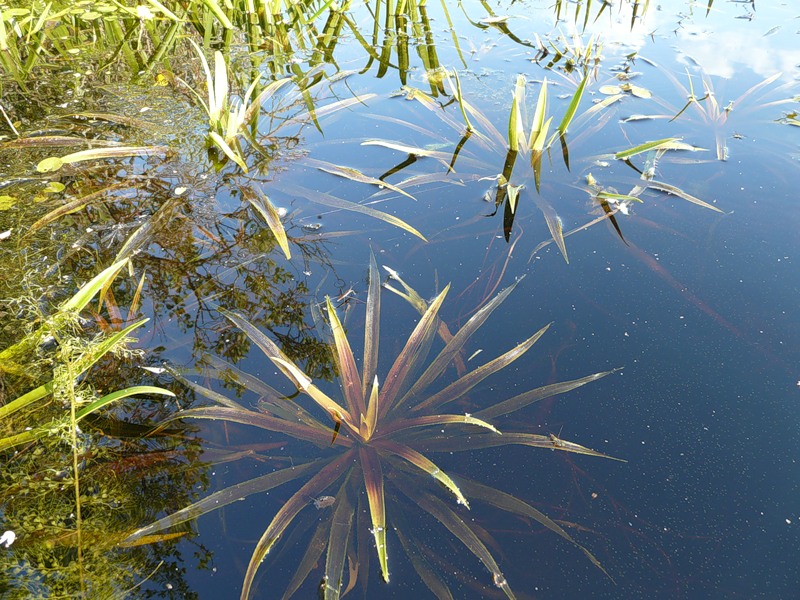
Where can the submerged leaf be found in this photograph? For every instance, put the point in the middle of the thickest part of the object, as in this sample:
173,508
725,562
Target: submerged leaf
338,541
354,175
671,189
373,482
334,202
288,511
459,528
270,214
548,391
219,499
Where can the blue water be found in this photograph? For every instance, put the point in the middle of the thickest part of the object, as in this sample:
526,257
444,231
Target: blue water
699,307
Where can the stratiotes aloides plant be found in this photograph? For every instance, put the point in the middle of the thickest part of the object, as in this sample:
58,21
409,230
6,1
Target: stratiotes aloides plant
373,465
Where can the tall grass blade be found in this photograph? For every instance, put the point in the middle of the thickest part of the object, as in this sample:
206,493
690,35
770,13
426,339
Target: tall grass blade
461,530
337,412
349,378
455,90
89,290
554,225
227,150
536,139
436,420
310,561
572,108
516,129
423,463
316,433
118,395
217,11
354,175
663,144
54,163
426,573
455,345
513,505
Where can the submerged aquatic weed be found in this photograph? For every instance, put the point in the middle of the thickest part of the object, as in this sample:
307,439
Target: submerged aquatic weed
375,460
77,357
60,495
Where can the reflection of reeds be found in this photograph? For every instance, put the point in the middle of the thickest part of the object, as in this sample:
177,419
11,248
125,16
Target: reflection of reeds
377,451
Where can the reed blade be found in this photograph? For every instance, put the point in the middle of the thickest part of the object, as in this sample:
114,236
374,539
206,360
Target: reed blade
338,542
411,356
455,345
349,378
671,189
221,498
269,213
548,391
513,505
425,464
312,489
462,385
372,327
373,482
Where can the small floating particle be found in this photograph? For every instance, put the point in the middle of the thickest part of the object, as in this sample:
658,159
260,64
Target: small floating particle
324,502
479,350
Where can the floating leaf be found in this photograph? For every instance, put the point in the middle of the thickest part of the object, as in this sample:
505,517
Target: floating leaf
50,164
636,90
608,90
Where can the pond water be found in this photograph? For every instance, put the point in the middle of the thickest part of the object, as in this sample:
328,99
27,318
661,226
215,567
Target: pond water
684,286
